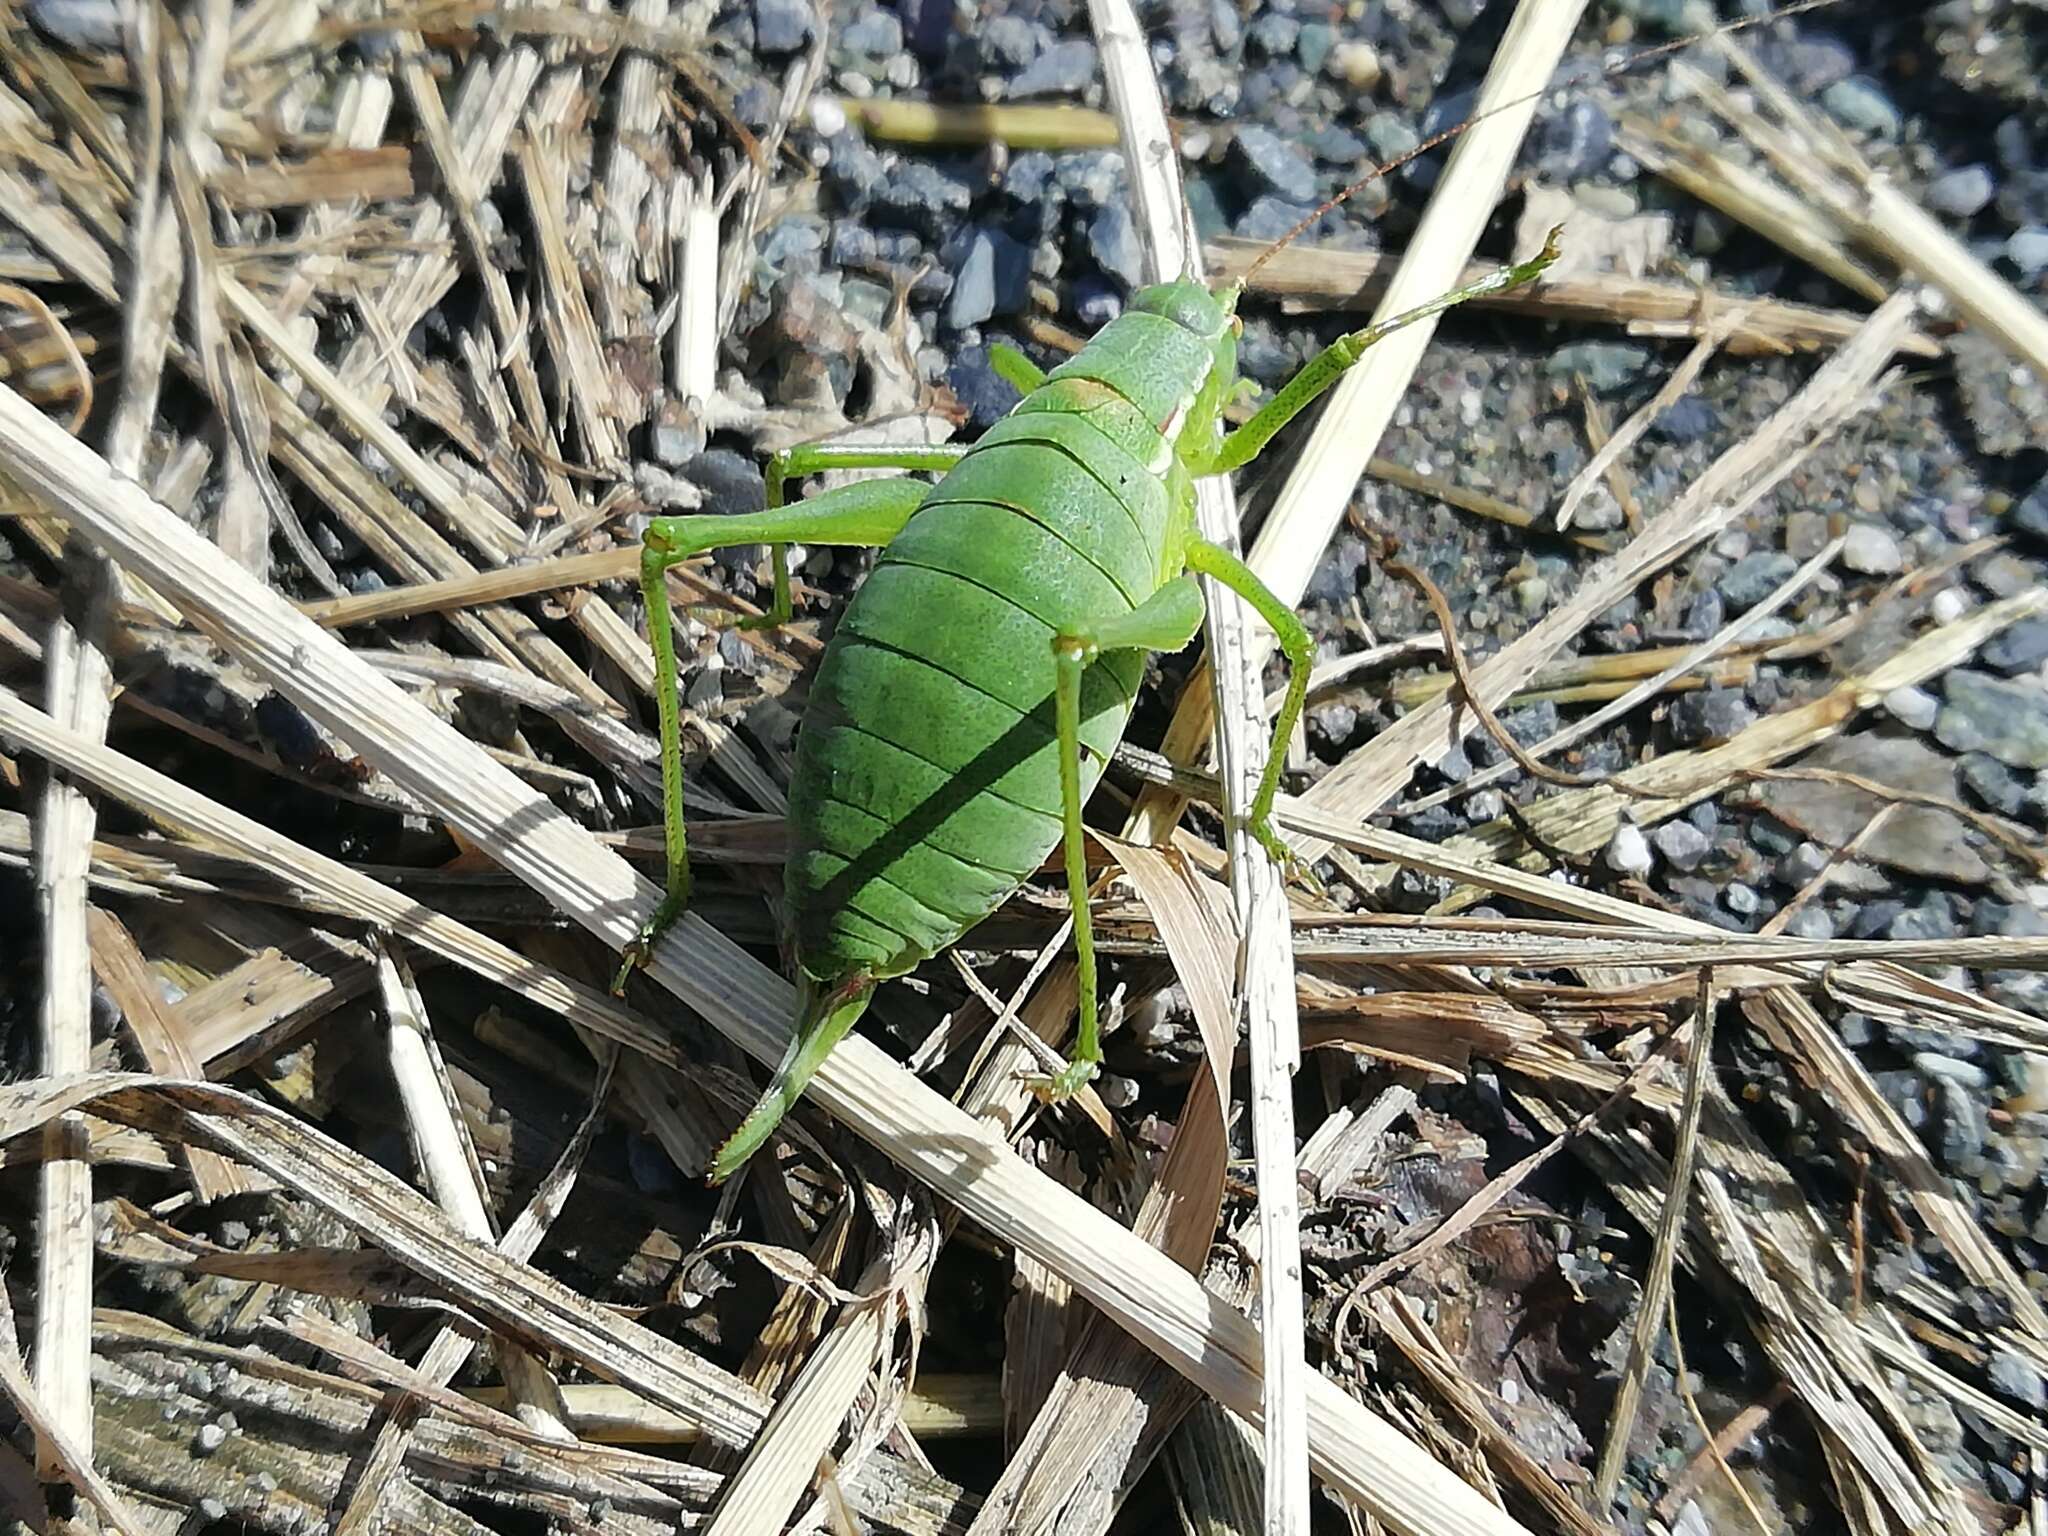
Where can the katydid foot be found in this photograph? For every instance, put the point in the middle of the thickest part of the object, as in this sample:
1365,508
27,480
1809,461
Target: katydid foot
1065,1083
641,946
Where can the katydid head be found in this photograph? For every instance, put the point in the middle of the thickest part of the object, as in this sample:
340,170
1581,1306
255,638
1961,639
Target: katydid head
1211,316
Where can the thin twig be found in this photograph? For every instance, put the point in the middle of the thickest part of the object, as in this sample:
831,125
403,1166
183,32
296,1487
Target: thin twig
1657,1282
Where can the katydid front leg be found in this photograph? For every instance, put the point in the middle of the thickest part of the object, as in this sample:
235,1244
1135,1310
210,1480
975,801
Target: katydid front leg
868,514
1240,447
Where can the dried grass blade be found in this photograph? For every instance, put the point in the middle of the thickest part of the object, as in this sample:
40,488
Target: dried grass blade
77,681
126,975
1657,1283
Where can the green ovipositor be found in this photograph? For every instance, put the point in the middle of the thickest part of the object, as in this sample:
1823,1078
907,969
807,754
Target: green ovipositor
982,676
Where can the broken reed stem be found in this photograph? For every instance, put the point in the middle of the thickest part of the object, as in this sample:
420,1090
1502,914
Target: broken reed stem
448,1163
1257,887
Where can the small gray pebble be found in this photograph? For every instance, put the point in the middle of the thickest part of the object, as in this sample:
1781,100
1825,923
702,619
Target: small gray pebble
1962,1128
1802,864
2027,249
1806,534
1606,365
2018,1378
2008,719
2020,648
1961,192
1914,708
1991,784
1682,844
1709,714
1859,102
1933,1064
1755,577
1810,922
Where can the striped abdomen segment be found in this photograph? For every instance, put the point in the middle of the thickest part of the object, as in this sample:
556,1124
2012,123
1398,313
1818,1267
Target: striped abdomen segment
927,775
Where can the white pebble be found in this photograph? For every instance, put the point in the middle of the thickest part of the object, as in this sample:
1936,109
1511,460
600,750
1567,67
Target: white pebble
1629,852
827,116
1356,65
1871,550
1948,606
1914,708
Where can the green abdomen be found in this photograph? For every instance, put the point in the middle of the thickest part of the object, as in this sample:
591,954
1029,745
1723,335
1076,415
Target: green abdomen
927,773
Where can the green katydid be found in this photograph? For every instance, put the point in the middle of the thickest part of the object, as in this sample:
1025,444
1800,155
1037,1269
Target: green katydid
983,674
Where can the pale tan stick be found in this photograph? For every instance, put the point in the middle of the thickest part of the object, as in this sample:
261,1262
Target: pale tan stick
939,1406
1309,278
77,682
1142,1290
164,1045
1257,887
499,584
449,1166
78,685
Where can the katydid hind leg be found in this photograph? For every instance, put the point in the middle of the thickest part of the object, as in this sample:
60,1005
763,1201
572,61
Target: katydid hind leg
1219,564
1166,621
867,514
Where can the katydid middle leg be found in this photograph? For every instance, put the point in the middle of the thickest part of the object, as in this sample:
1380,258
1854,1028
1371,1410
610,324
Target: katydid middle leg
867,514
816,458
1166,621
1219,564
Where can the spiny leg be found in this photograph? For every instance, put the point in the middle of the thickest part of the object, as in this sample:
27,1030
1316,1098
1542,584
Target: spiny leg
1166,621
1326,367
1219,564
868,514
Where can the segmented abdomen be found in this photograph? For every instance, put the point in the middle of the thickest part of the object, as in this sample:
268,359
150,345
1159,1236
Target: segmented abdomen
927,775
